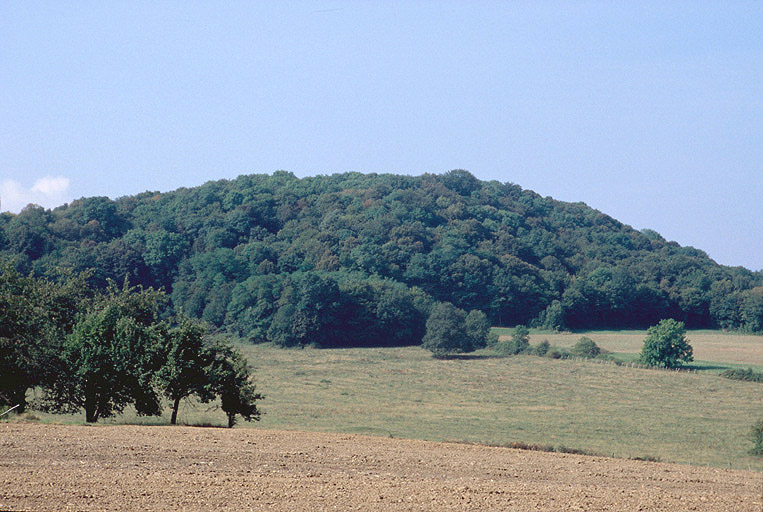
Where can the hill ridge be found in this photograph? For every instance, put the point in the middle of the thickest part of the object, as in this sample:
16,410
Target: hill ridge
227,248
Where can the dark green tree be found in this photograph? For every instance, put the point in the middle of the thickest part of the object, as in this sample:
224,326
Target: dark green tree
185,359
446,331
35,315
229,377
111,356
666,345
752,310
756,434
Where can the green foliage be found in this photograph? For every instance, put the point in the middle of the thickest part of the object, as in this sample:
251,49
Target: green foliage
552,318
757,438
477,330
739,374
518,344
586,347
327,310
542,348
558,353
185,359
666,345
496,248
229,377
450,330
35,314
446,333
111,356
102,352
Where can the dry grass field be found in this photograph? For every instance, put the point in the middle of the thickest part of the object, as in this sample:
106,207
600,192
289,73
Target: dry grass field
693,418
709,346
60,467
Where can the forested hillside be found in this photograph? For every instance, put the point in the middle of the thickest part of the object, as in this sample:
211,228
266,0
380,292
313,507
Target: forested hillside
355,259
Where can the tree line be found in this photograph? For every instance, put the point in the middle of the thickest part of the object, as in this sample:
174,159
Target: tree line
100,351
359,259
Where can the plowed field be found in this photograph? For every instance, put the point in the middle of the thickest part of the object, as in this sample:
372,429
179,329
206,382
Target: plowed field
58,467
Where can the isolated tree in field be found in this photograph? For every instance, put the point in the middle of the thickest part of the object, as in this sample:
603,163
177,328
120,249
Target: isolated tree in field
185,359
666,345
446,332
229,377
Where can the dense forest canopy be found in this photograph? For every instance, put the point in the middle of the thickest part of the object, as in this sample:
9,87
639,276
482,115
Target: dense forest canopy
360,259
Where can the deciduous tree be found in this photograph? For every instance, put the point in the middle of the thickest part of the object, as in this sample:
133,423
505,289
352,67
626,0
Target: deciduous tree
666,345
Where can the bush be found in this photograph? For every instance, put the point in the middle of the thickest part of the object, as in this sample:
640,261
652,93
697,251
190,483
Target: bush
747,375
518,344
558,353
757,438
542,348
586,347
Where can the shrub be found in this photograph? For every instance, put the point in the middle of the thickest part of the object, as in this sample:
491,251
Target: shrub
747,375
450,330
757,438
542,348
558,353
518,344
586,347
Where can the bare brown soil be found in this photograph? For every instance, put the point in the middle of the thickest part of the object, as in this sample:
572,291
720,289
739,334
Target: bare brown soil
58,467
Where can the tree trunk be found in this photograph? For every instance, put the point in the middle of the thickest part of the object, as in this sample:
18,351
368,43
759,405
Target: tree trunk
91,413
175,406
19,397
231,420
92,407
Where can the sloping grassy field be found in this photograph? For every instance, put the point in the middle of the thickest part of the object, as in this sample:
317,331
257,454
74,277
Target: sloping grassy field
697,418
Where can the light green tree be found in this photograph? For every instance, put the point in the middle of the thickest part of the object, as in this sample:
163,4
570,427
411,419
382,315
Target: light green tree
666,345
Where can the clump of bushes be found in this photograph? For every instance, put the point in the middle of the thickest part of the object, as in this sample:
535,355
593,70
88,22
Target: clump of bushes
518,344
757,438
559,353
740,374
541,349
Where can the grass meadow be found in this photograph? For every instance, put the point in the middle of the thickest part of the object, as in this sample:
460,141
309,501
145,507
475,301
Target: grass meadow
696,418
731,350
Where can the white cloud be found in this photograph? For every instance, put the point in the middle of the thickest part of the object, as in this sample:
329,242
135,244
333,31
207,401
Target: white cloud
48,192
51,187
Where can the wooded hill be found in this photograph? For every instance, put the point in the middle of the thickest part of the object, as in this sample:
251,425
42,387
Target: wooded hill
359,259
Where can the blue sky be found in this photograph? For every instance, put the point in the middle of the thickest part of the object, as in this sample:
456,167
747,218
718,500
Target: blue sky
648,111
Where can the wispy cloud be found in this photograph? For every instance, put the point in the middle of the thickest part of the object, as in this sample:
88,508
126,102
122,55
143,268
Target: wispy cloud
51,187
48,192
